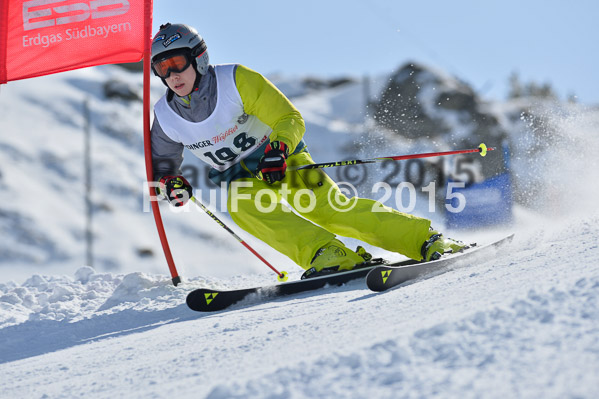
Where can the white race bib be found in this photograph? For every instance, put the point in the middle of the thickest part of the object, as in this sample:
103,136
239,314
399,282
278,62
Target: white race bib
227,136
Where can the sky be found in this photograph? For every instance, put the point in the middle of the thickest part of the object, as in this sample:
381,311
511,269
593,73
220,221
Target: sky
480,42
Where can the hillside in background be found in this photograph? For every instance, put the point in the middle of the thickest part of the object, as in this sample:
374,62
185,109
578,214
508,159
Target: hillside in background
523,323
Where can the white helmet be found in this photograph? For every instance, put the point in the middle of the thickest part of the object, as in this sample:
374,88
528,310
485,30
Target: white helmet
179,38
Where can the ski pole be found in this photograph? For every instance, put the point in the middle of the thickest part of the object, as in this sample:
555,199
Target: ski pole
482,149
281,276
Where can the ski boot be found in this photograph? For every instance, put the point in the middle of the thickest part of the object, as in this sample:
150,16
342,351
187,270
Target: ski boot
437,245
335,257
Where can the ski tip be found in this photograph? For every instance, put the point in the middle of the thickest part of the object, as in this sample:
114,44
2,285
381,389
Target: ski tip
204,300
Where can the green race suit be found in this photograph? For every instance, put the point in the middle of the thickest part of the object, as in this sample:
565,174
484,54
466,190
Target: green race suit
230,98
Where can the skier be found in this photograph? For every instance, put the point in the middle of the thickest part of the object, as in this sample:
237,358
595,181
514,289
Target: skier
238,122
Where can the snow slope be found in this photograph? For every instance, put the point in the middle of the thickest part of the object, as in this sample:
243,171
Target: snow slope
524,323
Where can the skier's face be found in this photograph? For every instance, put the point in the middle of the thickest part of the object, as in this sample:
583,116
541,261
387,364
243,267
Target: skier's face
182,82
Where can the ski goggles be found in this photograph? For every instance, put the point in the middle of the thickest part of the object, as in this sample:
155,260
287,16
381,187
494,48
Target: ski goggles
177,63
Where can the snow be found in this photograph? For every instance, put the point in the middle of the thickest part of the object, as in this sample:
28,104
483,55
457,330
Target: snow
523,323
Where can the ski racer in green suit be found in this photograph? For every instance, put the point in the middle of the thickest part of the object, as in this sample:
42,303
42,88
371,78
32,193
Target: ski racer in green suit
239,123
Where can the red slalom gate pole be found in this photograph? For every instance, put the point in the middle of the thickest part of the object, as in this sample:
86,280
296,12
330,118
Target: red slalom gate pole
281,276
148,144
482,149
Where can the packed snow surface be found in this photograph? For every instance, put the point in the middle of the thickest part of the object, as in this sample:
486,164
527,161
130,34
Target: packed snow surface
523,323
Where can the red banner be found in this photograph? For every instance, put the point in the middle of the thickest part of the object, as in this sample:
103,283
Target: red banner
41,37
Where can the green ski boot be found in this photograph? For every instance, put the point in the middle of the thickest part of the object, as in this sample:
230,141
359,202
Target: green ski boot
335,257
437,245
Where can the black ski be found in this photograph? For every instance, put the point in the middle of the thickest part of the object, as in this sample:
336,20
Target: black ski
210,300
383,277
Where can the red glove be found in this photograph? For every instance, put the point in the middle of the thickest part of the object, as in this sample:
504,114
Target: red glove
273,163
176,189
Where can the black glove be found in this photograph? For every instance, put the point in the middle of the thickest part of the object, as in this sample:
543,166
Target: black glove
176,189
272,165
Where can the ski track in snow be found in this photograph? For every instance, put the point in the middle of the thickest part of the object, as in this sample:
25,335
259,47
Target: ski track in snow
524,323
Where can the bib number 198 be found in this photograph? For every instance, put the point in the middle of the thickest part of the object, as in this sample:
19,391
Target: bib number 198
222,156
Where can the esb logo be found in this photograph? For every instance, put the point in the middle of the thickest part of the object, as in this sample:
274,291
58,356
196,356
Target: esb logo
69,13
